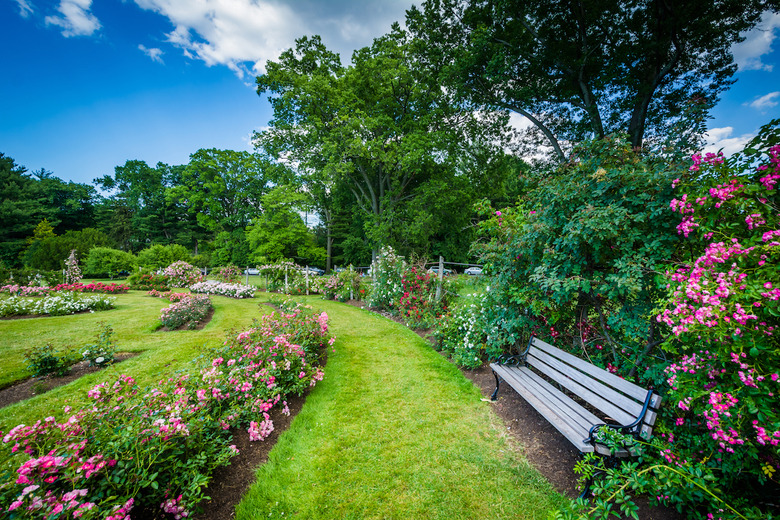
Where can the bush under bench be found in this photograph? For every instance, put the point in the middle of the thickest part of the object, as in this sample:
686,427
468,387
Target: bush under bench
568,392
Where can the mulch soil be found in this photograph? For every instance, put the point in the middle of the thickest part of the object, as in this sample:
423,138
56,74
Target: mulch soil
39,385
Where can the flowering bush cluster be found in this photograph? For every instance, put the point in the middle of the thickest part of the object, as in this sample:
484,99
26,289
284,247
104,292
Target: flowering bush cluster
45,360
387,273
96,287
149,282
717,449
168,295
24,290
55,305
182,274
188,312
72,269
156,449
461,332
342,286
227,274
418,304
232,290
289,278
102,352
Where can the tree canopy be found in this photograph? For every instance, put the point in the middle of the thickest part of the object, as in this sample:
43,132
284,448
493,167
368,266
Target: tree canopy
588,68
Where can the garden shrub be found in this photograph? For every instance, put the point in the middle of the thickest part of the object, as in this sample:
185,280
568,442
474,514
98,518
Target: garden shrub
717,450
103,351
159,256
575,262
461,333
387,272
149,282
45,360
96,287
182,274
105,261
342,286
72,269
188,312
227,274
143,450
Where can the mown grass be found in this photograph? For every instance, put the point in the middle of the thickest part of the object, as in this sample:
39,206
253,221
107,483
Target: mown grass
135,320
394,431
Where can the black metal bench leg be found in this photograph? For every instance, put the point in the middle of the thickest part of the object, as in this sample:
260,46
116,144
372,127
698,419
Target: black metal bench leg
495,392
586,492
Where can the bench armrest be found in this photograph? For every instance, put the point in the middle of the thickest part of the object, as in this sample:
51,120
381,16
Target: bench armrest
633,428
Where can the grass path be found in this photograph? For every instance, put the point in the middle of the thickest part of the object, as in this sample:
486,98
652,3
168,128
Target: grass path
394,431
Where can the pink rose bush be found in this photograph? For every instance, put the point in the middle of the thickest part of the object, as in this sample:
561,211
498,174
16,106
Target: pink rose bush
134,450
188,310
182,274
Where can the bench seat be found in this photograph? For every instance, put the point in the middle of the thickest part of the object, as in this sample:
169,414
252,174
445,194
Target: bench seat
577,397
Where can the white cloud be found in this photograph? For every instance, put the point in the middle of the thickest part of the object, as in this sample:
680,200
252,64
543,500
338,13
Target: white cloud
720,139
244,34
765,102
76,20
153,53
759,41
25,8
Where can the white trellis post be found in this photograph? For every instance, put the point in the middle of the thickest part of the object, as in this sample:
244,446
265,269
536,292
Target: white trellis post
286,288
307,280
351,284
441,277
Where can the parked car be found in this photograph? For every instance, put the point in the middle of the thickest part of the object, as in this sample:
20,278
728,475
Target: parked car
252,270
473,271
313,271
435,269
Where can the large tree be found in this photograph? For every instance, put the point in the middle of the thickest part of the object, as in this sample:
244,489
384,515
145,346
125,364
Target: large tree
22,207
587,68
383,126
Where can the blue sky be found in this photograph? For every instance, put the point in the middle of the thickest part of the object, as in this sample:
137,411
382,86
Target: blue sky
89,85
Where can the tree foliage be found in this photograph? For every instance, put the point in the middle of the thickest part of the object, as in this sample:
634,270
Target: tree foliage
588,68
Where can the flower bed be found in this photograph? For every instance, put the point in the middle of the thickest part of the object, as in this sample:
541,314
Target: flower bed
188,312
23,290
168,295
149,282
152,449
54,305
96,287
232,290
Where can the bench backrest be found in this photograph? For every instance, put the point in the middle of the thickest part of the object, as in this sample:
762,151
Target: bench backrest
620,400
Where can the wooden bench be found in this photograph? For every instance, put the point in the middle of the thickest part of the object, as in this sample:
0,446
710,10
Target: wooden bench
576,397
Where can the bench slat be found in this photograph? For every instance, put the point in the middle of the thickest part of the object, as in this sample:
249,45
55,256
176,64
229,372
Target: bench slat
615,412
573,411
610,379
574,436
544,362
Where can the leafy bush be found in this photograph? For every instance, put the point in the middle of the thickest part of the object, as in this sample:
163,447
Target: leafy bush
159,256
103,351
188,312
342,286
152,449
182,274
576,261
72,269
59,305
232,290
44,360
109,262
718,450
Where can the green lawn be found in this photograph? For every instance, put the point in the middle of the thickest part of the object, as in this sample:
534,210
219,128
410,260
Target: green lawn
134,320
394,431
